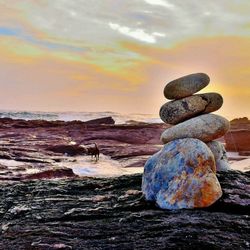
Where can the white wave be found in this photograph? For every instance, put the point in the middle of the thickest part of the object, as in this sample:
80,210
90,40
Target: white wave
80,116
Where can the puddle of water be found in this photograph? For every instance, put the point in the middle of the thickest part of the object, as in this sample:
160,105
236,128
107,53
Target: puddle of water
105,167
243,165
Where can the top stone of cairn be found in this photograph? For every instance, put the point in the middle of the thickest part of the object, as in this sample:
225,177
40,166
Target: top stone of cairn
186,86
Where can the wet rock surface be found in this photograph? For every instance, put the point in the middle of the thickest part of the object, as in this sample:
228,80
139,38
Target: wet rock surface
91,213
37,148
130,144
32,149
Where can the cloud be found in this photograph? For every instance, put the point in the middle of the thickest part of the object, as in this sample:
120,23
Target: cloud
225,59
160,3
32,39
85,51
87,21
158,34
138,34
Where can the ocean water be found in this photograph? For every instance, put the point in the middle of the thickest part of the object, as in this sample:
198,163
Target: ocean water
80,116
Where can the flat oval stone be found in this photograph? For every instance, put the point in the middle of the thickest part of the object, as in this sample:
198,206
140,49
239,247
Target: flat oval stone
180,110
220,155
186,86
181,175
204,127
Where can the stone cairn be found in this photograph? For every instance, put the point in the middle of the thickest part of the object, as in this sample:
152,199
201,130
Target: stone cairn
183,173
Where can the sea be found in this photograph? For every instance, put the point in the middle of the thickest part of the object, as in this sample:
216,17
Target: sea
80,116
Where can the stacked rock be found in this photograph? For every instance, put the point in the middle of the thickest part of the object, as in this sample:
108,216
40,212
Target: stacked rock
183,173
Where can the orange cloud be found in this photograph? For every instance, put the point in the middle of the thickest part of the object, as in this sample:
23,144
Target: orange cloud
225,59
131,80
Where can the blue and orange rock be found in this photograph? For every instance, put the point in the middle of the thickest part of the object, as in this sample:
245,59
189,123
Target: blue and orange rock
182,175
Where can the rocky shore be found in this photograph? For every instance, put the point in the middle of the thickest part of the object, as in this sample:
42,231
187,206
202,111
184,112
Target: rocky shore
31,147
35,149
44,205
90,213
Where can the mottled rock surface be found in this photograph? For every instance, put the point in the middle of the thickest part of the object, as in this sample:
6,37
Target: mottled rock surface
220,155
34,148
174,112
95,214
186,86
205,128
181,175
28,143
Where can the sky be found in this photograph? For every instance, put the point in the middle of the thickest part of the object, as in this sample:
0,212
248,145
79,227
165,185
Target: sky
117,55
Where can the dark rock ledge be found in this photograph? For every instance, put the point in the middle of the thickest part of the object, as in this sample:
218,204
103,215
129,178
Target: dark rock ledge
91,213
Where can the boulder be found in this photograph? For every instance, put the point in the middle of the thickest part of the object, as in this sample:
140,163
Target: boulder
205,128
105,120
181,175
220,155
174,112
186,86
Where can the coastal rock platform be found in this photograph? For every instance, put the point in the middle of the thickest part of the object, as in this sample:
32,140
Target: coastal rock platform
40,149
90,213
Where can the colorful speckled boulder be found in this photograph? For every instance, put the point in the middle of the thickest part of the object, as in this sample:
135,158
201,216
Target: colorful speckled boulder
181,175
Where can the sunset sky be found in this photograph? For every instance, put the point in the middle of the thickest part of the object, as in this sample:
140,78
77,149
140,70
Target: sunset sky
117,55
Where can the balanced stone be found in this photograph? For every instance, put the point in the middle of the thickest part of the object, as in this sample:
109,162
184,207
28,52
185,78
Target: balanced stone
186,86
205,128
181,175
220,155
180,110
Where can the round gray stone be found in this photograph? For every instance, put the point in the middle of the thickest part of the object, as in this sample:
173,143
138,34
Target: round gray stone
186,86
174,112
205,128
220,155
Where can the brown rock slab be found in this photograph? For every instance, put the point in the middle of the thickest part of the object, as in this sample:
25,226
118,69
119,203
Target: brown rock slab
238,140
